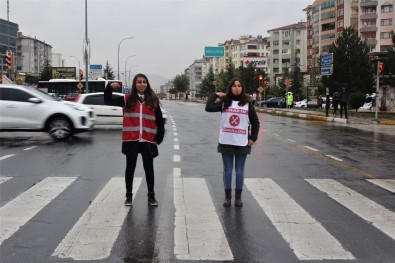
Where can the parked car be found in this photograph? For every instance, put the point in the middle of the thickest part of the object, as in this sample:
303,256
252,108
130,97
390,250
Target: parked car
301,104
275,102
367,106
70,96
105,114
24,108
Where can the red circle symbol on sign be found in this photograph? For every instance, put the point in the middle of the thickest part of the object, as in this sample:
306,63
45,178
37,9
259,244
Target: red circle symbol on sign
234,120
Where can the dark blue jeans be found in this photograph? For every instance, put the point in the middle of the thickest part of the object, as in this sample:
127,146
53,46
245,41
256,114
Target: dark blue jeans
227,160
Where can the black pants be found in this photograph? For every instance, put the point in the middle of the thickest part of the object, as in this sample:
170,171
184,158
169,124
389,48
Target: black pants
148,164
342,106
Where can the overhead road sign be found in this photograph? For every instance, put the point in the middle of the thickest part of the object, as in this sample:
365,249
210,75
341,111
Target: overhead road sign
214,51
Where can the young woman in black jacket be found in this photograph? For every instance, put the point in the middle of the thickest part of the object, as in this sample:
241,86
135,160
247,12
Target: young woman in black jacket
142,131
238,131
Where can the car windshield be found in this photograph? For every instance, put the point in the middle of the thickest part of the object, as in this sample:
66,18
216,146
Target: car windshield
40,94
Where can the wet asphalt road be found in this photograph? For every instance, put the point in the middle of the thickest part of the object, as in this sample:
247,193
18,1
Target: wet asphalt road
288,151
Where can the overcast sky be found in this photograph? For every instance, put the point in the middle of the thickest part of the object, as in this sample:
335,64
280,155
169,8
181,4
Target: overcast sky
168,34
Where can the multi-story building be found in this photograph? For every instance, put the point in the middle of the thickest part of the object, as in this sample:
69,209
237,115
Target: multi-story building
287,47
196,71
376,22
239,51
8,41
32,54
326,20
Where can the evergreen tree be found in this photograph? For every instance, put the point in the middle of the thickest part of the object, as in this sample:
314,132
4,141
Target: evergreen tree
108,73
46,71
389,62
248,77
207,85
297,81
352,65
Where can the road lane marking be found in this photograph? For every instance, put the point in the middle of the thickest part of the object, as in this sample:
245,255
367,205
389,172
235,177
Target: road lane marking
388,184
276,134
175,139
176,158
380,217
291,140
29,148
4,179
333,157
176,172
310,148
6,156
176,147
305,235
20,210
198,232
175,133
93,236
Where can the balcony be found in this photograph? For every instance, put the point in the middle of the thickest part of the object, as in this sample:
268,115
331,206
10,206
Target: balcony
368,29
368,16
369,3
371,42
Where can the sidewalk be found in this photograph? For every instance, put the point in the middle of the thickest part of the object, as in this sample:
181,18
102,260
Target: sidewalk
383,126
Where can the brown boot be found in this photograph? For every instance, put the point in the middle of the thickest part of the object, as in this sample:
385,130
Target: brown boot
228,197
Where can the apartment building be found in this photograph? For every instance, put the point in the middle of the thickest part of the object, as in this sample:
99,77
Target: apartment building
247,48
8,40
376,22
31,54
326,19
196,72
288,45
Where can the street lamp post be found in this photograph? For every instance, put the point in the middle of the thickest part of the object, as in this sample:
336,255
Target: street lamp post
126,61
119,45
131,69
79,65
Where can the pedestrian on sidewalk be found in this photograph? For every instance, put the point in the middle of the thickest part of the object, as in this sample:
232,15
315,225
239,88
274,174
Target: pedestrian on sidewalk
343,98
238,131
335,102
142,131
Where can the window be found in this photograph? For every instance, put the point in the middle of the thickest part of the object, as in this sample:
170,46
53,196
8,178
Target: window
275,43
285,51
386,9
386,22
286,33
14,95
275,52
298,42
286,43
385,35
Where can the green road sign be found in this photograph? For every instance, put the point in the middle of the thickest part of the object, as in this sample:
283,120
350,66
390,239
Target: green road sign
214,51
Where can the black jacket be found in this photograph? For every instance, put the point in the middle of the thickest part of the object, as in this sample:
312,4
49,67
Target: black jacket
127,147
216,106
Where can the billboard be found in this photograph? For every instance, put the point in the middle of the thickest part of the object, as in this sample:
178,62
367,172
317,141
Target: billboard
257,61
63,72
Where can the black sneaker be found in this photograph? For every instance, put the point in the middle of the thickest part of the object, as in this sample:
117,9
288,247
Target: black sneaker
151,199
227,202
129,200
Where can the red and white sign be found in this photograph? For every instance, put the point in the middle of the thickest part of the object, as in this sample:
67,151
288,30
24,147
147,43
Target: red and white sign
259,62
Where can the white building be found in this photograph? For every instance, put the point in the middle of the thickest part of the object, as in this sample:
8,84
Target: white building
31,54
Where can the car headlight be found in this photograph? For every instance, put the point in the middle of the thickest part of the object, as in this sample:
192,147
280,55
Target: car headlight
77,106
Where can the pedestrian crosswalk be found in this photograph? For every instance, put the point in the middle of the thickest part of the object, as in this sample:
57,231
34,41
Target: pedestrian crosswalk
198,231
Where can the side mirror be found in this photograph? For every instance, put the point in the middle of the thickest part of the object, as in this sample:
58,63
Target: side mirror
34,100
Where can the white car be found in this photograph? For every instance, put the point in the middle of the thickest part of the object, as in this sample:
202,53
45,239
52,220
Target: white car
105,114
367,106
24,108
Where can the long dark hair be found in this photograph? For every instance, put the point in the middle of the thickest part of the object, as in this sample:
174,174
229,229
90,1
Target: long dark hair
149,96
243,98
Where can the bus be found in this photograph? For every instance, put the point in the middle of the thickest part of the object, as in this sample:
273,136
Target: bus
63,87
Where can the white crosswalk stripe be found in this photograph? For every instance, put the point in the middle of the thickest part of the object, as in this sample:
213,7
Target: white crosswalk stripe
388,184
4,179
306,237
198,233
93,236
380,217
20,210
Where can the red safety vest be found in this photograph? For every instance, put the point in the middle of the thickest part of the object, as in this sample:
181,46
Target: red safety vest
138,124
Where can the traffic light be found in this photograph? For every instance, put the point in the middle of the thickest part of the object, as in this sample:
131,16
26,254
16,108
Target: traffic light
10,60
290,83
260,80
381,68
81,74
